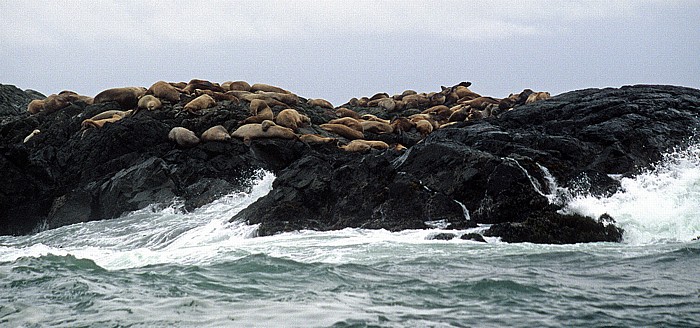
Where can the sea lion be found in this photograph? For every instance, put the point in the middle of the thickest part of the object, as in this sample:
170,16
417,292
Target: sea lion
316,139
403,94
259,111
388,104
463,93
380,95
441,113
362,102
267,88
109,116
344,112
55,102
195,84
88,123
35,106
287,98
402,124
360,145
319,103
436,98
416,101
149,102
376,127
178,85
252,131
459,114
399,147
126,97
480,103
110,113
183,137
72,96
291,118
31,135
238,86
343,131
481,114
537,96
424,127
164,90
218,96
370,117
216,133
202,102
349,122
272,102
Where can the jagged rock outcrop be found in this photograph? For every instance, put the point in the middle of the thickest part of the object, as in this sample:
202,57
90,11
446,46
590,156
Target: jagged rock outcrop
493,170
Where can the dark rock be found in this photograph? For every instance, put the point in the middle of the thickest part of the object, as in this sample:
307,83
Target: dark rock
14,101
495,170
473,237
442,236
555,228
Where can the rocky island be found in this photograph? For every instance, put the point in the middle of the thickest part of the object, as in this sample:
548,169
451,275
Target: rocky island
449,158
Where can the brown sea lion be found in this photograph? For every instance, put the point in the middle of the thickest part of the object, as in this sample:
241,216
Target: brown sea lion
537,96
202,102
164,90
267,88
360,145
475,114
195,84
252,131
388,104
291,118
287,98
402,124
480,103
343,130
149,102
239,86
89,123
35,106
377,127
216,133
259,111
319,103
344,112
370,117
218,96
126,97
183,137
416,101
109,116
348,121
316,139
424,127
380,95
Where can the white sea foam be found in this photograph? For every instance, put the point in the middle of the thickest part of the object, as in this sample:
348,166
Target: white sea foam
661,205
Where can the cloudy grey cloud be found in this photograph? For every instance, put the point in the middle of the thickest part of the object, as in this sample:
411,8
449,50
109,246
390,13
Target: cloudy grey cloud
341,49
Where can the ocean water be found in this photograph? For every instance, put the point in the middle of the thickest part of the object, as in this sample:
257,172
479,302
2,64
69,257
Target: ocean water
161,267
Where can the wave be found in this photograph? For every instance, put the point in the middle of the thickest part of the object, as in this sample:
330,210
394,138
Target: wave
660,205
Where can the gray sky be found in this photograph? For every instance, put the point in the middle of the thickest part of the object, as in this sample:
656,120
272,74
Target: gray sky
343,49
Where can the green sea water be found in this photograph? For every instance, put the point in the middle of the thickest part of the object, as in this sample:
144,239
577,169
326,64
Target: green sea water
162,267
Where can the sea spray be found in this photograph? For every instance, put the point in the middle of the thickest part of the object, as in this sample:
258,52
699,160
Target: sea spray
659,205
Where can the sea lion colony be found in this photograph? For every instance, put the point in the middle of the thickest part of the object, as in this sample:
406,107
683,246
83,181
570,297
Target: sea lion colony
273,112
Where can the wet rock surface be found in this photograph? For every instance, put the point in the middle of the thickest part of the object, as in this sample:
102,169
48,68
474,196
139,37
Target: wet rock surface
493,170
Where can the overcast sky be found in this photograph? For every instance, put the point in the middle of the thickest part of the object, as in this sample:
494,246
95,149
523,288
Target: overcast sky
343,49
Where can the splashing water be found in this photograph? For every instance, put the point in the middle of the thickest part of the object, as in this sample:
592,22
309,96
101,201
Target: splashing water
657,206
